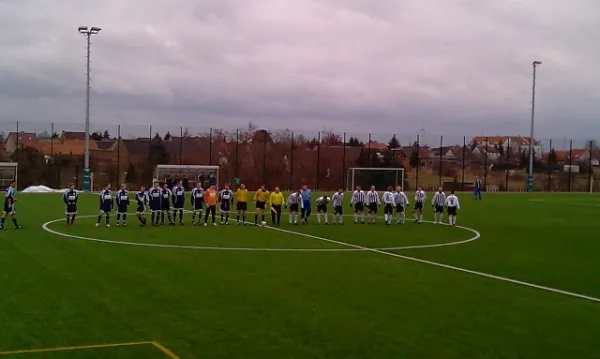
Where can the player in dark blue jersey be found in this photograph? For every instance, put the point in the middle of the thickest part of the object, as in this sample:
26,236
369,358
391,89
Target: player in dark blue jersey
197,199
155,200
165,205
70,198
225,203
106,204
178,202
9,206
122,204
142,202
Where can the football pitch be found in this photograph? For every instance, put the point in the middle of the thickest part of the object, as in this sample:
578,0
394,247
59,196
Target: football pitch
519,278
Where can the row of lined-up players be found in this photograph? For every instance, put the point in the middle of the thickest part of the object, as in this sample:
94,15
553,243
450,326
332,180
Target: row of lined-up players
392,201
159,199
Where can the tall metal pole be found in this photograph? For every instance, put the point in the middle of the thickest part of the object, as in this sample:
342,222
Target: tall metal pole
530,177
86,171
86,165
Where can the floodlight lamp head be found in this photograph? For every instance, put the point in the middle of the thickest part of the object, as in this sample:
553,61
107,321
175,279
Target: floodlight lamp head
95,30
82,29
536,63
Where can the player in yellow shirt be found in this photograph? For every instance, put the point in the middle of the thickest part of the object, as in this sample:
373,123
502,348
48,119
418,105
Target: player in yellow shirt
261,197
241,198
276,200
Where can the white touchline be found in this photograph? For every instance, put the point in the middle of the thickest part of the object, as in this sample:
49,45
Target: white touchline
436,264
254,249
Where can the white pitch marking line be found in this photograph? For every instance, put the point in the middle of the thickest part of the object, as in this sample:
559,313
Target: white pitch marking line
436,264
176,246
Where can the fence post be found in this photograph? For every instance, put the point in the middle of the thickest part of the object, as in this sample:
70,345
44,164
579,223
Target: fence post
118,155
180,145
265,135
550,165
507,151
51,142
318,158
55,175
369,148
292,163
418,163
210,147
485,164
150,169
237,145
441,146
590,168
570,162
17,147
344,162
394,150
464,151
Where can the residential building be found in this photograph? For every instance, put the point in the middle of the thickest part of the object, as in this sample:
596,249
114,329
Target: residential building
18,139
514,144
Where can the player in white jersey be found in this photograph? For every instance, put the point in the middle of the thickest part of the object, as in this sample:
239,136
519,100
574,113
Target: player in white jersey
372,204
453,207
322,208
294,202
438,202
419,205
338,198
401,202
358,203
388,205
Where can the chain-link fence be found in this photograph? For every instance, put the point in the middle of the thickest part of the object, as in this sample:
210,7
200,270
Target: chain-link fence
52,154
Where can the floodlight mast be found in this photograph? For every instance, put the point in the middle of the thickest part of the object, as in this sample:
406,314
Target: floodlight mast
535,64
86,171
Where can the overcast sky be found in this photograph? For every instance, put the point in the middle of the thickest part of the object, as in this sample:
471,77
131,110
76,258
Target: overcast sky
390,66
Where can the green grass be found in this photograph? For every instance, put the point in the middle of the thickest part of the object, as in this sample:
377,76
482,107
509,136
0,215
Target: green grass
59,291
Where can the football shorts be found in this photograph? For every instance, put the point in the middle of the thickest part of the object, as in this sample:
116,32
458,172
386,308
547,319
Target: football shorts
359,207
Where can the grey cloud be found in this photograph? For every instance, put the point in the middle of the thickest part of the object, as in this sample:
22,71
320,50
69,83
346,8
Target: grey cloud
349,65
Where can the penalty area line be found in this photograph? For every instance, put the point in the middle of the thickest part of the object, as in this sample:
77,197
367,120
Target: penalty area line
441,265
165,350
78,347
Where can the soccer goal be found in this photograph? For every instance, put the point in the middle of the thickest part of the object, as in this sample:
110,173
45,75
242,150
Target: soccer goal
8,173
381,178
207,175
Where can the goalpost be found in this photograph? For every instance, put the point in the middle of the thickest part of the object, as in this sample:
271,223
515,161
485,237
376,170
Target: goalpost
8,173
381,178
207,175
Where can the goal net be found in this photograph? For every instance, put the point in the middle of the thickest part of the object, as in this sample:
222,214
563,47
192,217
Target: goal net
207,175
8,173
381,178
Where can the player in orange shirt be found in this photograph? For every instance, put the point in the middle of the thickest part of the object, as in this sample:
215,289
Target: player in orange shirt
211,198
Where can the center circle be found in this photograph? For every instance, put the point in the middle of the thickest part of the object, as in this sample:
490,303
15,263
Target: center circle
354,248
